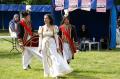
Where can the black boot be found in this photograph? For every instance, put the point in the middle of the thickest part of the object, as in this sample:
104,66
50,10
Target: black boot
29,67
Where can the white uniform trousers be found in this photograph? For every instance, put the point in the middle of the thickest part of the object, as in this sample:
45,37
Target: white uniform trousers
67,54
27,55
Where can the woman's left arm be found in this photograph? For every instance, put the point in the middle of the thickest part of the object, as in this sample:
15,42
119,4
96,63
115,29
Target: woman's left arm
56,36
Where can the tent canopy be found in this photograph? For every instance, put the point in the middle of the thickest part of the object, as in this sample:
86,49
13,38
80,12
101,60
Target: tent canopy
46,8
21,7
109,4
37,13
118,8
101,25
98,21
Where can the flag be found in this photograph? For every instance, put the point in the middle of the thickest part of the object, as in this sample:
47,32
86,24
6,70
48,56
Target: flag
59,5
101,6
86,5
73,4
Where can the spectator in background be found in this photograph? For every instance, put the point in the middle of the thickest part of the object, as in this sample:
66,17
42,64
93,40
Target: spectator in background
13,26
118,32
104,42
118,21
84,35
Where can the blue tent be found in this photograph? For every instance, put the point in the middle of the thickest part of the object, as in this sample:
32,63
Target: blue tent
66,3
37,12
22,7
99,24
118,8
12,7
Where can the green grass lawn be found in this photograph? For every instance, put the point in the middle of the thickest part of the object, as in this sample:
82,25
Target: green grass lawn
86,65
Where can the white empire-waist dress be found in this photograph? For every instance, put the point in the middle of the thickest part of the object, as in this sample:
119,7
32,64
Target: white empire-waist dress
53,62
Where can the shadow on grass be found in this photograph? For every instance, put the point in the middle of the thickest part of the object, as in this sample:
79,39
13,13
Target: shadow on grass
76,75
9,55
40,69
98,72
111,50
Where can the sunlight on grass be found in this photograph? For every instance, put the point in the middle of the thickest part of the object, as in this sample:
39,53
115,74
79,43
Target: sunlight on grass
86,65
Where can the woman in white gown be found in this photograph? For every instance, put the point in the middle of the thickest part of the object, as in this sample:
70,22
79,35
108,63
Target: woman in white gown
53,62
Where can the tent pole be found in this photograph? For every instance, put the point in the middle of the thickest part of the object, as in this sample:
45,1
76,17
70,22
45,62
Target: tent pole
2,21
113,25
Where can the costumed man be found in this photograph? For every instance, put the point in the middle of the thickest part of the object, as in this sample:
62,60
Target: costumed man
28,41
68,35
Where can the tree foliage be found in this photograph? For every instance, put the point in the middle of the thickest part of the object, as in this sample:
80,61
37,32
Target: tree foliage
30,2
117,2
35,2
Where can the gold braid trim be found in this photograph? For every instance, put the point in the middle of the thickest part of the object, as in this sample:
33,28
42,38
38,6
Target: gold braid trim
49,60
20,41
31,42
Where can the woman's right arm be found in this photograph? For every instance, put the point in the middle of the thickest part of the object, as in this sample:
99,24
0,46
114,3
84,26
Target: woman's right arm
40,38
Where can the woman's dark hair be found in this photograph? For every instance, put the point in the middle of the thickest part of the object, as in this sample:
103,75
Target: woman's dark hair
25,13
50,18
67,17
